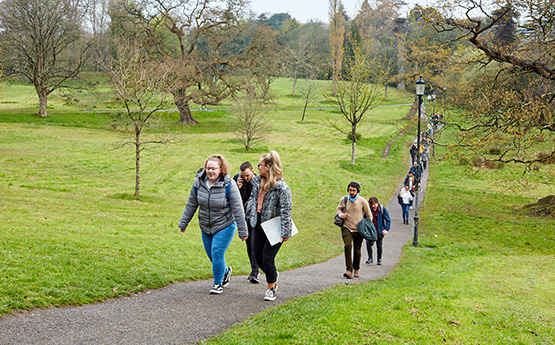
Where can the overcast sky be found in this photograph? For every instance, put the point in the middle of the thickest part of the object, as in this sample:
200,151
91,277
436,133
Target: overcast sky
305,10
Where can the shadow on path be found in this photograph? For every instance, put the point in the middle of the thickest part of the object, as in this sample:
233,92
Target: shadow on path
184,313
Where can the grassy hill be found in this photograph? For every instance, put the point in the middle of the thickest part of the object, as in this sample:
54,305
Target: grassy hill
72,233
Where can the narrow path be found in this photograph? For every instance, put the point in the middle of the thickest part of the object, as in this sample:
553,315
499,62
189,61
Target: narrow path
184,313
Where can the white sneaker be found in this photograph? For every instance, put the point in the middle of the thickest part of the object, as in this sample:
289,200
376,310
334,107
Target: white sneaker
270,294
216,289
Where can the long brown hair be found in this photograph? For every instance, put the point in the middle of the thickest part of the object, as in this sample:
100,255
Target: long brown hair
275,170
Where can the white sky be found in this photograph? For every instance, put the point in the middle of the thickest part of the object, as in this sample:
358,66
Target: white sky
305,10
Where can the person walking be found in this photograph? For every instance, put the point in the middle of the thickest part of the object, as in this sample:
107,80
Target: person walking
270,198
352,209
413,151
244,183
405,197
424,158
217,197
382,222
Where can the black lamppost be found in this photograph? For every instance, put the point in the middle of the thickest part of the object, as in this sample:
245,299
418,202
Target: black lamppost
420,86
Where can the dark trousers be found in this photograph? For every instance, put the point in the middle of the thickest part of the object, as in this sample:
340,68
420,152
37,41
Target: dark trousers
405,208
353,245
378,242
250,249
265,253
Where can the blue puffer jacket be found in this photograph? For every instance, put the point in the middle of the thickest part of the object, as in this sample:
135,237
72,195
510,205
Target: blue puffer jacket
277,202
384,222
214,212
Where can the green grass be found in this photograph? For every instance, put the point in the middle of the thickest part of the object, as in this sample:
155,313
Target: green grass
482,274
72,232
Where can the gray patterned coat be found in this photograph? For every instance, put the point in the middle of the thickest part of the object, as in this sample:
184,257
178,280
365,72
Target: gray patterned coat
214,212
277,202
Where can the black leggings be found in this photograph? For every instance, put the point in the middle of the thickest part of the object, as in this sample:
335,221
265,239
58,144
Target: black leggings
265,253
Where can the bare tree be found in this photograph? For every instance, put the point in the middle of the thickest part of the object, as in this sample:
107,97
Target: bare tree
510,107
309,91
139,82
248,117
199,32
354,95
41,38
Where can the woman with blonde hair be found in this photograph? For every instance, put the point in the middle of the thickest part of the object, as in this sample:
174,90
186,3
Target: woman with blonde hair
216,194
270,198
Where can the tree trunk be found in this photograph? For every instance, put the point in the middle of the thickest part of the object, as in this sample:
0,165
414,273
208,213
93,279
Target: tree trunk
353,143
137,165
43,100
182,103
304,110
386,89
294,84
413,109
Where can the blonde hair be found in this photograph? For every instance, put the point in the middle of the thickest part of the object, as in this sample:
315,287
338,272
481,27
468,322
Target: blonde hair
275,170
224,165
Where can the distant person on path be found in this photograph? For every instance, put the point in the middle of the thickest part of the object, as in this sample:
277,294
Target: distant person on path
221,211
405,197
413,151
410,181
244,182
382,222
352,213
270,198
415,170
424,158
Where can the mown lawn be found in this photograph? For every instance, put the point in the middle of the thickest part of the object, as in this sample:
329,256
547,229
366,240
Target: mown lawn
72,232
483,274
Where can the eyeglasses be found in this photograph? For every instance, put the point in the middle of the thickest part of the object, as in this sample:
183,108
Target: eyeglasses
212,168
261,165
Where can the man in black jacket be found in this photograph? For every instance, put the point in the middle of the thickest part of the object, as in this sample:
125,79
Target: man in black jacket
245,187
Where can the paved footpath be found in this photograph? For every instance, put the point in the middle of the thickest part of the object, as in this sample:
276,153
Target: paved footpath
184,313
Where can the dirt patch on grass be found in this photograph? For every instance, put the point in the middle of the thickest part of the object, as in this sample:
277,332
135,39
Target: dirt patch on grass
545,207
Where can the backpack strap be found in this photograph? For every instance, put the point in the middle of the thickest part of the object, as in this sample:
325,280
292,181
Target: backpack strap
228,193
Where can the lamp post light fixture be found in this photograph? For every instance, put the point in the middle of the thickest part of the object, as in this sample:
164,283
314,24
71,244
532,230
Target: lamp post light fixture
420,87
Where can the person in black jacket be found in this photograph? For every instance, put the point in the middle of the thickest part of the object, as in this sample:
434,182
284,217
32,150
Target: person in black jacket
244,182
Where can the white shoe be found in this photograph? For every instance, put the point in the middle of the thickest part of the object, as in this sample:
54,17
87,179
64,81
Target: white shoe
216,289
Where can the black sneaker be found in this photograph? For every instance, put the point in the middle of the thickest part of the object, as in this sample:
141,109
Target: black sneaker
270,294
369,262
216,289
379,262
227,277
253,278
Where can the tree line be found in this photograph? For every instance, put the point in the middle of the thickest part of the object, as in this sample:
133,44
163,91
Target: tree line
494,59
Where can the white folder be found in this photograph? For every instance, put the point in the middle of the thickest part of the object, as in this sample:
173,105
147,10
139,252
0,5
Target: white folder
272,229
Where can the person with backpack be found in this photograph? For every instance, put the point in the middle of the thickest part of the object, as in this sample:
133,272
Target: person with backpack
352,209
244,183
382,222
221,212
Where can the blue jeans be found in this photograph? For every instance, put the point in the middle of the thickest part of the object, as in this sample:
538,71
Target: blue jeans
405,211
215,247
